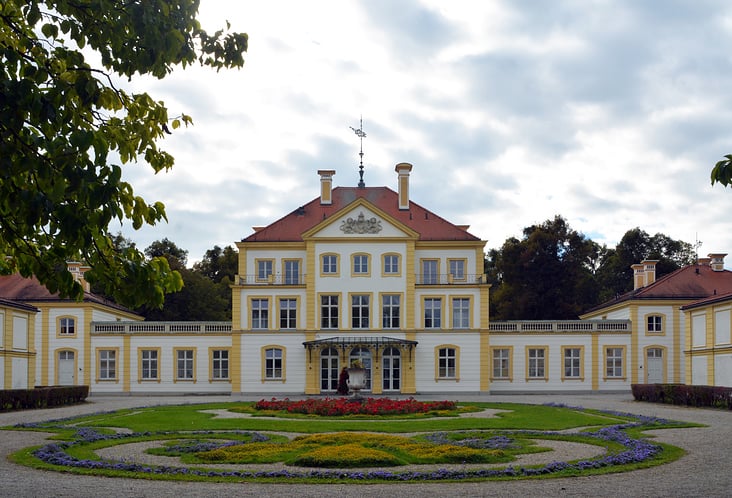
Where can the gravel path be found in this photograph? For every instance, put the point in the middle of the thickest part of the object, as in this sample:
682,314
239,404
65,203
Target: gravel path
706,470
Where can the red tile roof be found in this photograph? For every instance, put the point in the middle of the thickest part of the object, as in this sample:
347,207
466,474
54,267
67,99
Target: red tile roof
428,225
30,290
691,283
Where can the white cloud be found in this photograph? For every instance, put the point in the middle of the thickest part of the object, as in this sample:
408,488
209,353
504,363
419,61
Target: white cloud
608,113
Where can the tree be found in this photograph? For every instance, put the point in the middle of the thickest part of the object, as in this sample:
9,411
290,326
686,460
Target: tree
200,299
722,171
218,264
176,257
615,275
545,275
63,121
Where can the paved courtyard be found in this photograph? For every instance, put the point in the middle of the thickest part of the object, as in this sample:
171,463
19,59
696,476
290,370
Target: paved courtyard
705,471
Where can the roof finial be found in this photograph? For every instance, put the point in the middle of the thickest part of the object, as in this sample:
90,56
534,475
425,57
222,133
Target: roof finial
360,133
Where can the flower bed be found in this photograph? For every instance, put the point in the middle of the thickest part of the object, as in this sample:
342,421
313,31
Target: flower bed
338,407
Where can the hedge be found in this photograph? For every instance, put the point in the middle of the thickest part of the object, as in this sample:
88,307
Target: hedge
42,397
680,394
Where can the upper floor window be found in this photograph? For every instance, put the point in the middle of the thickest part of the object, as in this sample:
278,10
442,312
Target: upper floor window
430,271
360,311
260,313
288,313
329,264
391,264
264,269
457,268
460,313
432,313
329,312
360,264
390,311
67,326
654,324
292,271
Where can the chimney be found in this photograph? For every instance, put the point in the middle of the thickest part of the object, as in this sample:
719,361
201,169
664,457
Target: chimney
717,261
77,271
649,270
403,170
326,186
638,277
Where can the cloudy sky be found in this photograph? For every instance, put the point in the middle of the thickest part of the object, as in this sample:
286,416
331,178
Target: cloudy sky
608,113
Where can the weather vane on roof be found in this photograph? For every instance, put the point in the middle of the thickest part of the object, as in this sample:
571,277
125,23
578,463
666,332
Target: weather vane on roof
360,134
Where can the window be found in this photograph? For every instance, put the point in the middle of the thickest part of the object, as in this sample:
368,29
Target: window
219,364
432,313
360,311
502,363
360,264
107,364
288,313
260,313
273,364
429,271
391,264
66,326
536,364
614,363
572,363
457,268
446,363
184,364
329,312
292,272
329,264
264,269
390,311
654,324
149,364
460,313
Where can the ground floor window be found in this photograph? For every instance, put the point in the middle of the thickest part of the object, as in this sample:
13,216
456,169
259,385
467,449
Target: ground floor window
536,364
273,363
614,362
185,364
447,363
149,364
501,363
220,364
572,362
391,369
107,364
329,372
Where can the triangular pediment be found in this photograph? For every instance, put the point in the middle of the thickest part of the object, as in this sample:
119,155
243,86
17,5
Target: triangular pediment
360,219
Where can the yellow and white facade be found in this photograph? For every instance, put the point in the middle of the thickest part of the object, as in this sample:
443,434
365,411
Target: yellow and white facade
366,274
17,347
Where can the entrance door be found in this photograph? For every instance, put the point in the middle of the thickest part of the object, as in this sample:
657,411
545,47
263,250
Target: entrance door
391,369
364,355
329,370
66,368
654,366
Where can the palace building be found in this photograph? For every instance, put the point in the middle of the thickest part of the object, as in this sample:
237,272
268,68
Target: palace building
365,273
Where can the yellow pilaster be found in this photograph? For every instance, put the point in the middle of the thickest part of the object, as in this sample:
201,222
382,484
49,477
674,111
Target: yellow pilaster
485,358
236,338
236,308
45,358
312,359
677,344
87,346
310,299
410,284
687,365
7,346
32,350
595,358
710,345
127,361
634,344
